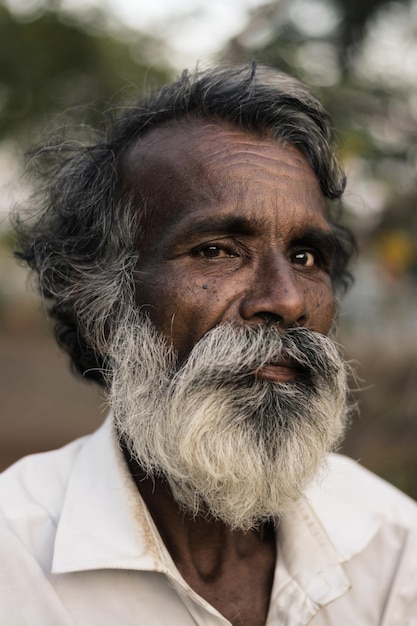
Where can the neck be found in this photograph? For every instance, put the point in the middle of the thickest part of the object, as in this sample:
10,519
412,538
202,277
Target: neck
197,544
231,569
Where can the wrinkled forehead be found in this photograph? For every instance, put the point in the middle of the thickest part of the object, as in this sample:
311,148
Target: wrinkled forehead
198,157
181,170
172,156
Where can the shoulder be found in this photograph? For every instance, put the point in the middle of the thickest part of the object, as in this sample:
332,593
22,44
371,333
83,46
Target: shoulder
36,485
354,506
32,493
346,479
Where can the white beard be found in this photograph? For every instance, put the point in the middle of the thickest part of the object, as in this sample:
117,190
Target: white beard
232,446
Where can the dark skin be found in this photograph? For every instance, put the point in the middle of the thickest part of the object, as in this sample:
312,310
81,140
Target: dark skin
233,571
237,231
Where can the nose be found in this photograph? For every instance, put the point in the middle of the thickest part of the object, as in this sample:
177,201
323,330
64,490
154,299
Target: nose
275,296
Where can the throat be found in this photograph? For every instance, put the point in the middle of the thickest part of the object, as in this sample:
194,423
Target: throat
200,544
231,570
234,574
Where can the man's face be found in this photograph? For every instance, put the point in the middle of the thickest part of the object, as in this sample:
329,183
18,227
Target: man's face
236,237
236,231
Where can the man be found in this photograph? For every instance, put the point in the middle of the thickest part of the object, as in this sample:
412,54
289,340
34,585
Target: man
192,259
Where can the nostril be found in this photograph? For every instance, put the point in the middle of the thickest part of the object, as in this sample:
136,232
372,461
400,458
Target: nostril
268,318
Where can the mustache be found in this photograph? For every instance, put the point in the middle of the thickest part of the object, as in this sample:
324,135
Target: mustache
237,352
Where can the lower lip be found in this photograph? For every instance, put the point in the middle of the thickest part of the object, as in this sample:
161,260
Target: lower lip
279,373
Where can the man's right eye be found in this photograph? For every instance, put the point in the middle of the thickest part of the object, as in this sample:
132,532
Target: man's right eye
213,251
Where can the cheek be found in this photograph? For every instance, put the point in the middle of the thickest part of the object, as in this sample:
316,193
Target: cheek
182,310
199,306
321,308
155,297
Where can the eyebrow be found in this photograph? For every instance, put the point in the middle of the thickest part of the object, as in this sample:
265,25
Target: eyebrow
221,224
318,238
231,224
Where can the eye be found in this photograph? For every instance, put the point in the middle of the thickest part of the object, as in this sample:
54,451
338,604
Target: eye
305,258
213,251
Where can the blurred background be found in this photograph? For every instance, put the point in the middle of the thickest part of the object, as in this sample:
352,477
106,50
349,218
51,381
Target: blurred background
359,56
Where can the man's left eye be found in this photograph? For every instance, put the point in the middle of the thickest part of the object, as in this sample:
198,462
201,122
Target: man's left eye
304,258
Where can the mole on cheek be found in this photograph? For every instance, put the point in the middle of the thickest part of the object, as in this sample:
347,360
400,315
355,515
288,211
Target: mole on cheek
212,287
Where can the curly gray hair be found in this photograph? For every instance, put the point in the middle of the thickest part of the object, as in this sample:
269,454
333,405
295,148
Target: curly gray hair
83,242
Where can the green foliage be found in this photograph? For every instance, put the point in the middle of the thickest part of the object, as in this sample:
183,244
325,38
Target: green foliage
49,64
356,14
373,112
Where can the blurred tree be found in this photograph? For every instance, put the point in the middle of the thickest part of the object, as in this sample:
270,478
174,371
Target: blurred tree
51,61
350,53
355,18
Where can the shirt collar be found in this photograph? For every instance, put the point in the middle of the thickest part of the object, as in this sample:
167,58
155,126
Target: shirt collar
104,523
318,534
332,498
308,574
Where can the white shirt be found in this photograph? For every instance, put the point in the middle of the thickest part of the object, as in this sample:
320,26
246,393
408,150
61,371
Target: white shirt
78,547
